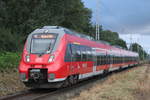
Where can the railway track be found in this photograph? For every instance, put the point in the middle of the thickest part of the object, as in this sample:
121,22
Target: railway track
40,94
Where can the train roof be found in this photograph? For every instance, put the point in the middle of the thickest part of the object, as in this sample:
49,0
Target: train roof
72,32
69,31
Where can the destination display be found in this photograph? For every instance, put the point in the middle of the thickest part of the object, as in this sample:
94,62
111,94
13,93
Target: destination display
44,36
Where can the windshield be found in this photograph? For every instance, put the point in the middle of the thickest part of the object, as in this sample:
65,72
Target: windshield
42,45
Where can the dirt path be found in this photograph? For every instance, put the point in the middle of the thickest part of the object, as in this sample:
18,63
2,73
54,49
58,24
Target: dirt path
9,82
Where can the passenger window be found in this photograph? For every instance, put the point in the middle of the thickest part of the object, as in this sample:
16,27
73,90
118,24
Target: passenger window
68,53
89,54
94,56
73,49
78,53
98,59
83,53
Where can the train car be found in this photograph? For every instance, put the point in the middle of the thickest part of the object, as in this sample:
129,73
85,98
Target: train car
54,56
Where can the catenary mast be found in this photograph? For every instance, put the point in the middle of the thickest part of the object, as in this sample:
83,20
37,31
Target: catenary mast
97,36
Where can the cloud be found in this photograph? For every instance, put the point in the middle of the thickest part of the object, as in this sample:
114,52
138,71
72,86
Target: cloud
123,16
132,16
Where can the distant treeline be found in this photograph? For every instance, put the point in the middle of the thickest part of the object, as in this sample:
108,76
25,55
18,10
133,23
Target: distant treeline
20,17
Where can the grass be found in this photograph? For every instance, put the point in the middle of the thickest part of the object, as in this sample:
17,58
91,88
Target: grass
143,88
132,84
9,60
9,76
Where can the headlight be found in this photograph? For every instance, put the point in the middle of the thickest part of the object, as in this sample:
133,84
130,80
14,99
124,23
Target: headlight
28,58
51,58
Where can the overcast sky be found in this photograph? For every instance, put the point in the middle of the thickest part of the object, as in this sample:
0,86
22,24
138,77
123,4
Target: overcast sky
125,17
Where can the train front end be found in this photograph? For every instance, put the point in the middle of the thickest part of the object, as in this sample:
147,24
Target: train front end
41,64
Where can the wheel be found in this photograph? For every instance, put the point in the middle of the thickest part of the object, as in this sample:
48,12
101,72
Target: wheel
105,72
120,69
75,79
65,83
71,80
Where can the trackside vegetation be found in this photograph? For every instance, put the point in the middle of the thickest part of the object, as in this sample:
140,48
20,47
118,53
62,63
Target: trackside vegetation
9,60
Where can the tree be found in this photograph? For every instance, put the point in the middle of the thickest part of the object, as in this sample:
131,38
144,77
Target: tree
121,43
9,41
139,49
23,16
112,38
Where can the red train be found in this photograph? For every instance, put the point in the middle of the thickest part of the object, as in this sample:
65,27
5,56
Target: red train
54,56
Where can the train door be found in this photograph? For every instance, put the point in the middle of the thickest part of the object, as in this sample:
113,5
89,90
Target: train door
84,64
68,58
75,58
107,59
78,58
89,59
94,57
112,61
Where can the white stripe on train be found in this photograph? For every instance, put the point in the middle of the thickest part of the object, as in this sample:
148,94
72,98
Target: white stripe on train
94,73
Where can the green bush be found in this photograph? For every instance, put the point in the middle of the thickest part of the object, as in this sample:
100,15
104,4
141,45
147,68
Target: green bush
9,60
9,41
